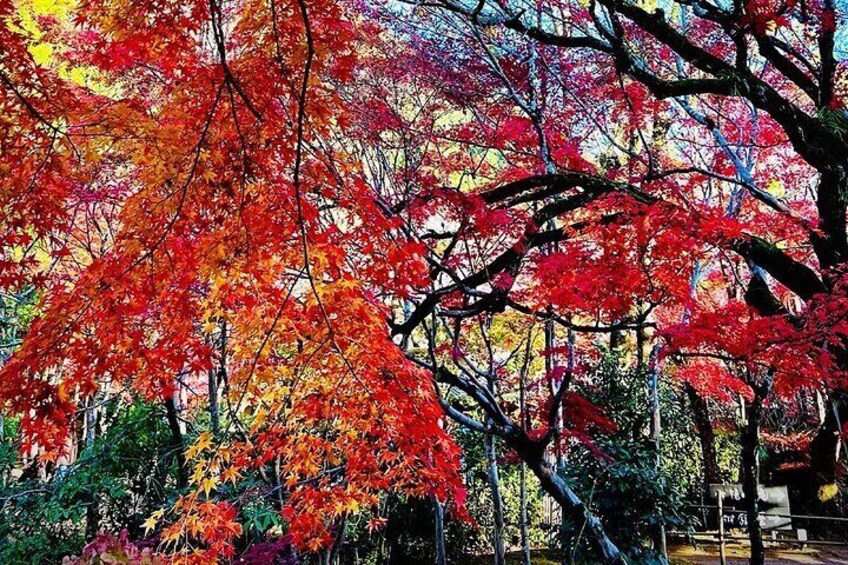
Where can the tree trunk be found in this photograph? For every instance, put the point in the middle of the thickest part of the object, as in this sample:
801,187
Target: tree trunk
332,555
554,485
213,402
3,474
176,442
441,549
751,473
701,417
824,447
524,523
614,341
497,502
522,517
217,376
566,537
656,432
92,512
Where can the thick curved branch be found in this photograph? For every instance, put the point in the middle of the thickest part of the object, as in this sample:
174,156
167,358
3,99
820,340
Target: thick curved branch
827,43
811,136
515,23
814,142
769,50
758,296
794,275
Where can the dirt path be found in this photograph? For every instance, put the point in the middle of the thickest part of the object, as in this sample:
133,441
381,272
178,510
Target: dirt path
738,555
704,554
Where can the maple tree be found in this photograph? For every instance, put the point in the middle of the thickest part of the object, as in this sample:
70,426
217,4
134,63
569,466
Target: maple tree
357,217
177,207
662,157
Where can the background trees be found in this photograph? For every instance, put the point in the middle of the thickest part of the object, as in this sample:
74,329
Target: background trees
665,204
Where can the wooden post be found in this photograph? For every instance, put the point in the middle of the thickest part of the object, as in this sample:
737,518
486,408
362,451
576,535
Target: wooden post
721,551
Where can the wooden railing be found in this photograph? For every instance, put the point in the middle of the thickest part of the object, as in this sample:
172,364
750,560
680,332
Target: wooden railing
721,537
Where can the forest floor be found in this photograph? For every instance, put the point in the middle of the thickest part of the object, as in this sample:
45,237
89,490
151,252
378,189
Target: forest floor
706,555
737,554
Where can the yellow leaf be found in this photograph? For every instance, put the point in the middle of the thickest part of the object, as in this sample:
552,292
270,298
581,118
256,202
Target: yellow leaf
42,53
151,522
204,440
776,188
828,491
208,485
199,471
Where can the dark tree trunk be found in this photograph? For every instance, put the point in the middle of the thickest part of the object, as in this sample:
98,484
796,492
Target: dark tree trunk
441,547
751,472
614,341
823,448
710,472
216,377
522,517
566,535
532,452
704,426
332,555
554,485
177,446
214,422
831,246
524,522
